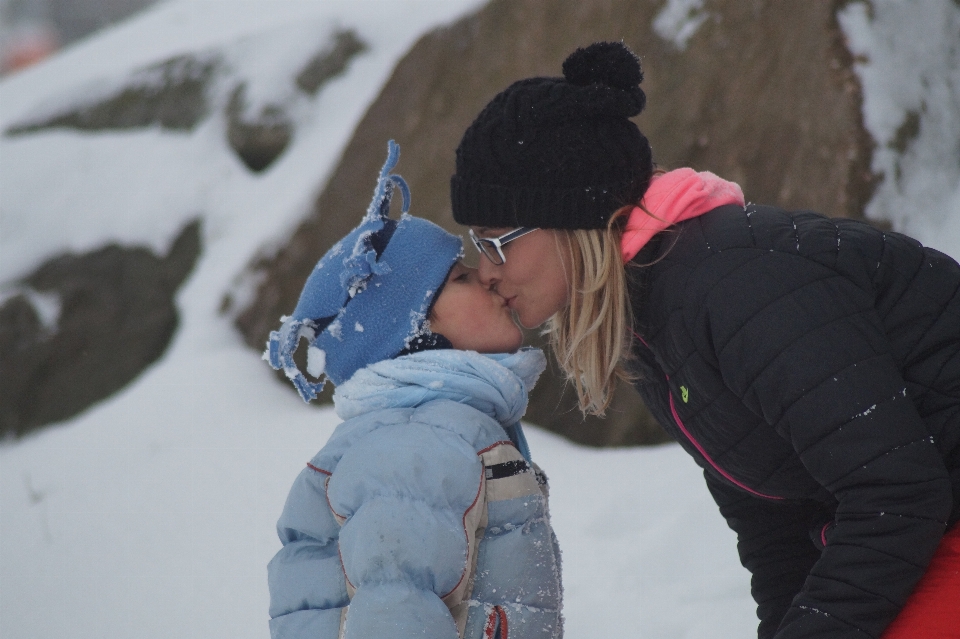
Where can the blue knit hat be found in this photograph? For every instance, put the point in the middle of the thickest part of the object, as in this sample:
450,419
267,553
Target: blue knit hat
368,298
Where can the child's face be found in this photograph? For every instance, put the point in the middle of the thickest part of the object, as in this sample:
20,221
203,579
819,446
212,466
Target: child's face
473,317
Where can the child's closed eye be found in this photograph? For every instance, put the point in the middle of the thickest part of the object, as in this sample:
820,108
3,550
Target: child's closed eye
460,273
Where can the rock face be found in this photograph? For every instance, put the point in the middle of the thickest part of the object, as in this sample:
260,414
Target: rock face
330,62
757,91
258,141
83,326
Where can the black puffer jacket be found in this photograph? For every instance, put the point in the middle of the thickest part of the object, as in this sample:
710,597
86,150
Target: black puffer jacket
811,366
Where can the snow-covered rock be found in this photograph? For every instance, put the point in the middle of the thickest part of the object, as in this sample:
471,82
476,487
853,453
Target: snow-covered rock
81,327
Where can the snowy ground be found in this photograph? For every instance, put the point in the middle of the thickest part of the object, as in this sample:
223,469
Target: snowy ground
152,514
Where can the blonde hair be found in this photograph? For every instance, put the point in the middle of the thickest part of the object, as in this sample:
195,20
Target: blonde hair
591,336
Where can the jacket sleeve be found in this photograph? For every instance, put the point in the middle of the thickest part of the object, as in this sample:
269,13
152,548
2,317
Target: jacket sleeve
804,348
405,494
307,589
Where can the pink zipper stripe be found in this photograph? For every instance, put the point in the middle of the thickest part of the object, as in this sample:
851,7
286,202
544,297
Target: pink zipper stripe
676,418
642,341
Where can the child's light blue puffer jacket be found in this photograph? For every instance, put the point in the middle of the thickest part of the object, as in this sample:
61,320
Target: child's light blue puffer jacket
423,515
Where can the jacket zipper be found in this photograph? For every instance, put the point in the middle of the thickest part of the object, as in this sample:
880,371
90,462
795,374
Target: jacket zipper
716,466
696,444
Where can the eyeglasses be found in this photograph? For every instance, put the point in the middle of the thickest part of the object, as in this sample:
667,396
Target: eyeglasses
492,247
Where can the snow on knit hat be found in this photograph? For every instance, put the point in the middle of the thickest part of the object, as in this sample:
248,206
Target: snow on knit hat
368,298
557,152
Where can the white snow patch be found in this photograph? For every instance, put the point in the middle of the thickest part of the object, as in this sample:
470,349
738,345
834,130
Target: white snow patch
307,331
909,67
358,327
649,557
335,328
316,361
679,20
418,326
866,412
46,304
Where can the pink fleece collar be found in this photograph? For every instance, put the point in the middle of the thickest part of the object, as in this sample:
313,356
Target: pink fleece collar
673,197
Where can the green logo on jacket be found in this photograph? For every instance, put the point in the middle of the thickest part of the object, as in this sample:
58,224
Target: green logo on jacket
684,394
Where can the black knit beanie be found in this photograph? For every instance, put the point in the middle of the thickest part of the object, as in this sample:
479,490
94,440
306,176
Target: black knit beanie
557,153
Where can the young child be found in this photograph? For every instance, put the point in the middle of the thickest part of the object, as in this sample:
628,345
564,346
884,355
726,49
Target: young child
423,514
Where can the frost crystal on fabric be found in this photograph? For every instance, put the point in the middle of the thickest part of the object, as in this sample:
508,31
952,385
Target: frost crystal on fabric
316,361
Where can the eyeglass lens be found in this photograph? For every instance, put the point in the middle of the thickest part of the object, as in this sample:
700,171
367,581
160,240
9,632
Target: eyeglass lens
492,250
492,247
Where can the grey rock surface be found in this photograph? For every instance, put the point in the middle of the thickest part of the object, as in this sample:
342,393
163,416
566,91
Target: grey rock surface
172,94
330,62
260,140
113,314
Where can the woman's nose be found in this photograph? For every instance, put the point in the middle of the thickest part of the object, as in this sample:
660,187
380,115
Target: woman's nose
486,271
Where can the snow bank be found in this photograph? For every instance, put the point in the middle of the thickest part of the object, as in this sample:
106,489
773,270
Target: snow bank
153,516
679,20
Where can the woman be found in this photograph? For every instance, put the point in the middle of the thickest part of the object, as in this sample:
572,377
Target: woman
423,515
811,366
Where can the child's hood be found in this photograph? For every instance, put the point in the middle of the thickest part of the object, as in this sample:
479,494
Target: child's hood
497,385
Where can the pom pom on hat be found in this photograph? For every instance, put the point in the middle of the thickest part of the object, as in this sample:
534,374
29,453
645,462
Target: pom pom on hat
608,63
